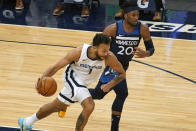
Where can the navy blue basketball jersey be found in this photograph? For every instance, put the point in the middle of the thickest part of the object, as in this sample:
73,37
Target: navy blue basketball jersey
123,43
122,46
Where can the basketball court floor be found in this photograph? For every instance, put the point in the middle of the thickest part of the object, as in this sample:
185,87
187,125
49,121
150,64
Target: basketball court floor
162,88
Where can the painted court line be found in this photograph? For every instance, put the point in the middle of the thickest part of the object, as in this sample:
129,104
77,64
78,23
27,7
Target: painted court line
12,127
185,78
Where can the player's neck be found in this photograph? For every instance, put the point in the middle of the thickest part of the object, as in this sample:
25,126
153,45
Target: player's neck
91,53
127,27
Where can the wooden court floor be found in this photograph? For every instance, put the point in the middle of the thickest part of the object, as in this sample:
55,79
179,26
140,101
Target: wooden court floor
158,100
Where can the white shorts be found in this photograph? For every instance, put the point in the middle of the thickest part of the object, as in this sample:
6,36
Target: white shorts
73,94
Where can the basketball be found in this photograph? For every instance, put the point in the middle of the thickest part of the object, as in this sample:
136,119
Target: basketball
46,86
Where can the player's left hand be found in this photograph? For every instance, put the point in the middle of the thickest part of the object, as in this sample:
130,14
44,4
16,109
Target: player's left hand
140,53
105,88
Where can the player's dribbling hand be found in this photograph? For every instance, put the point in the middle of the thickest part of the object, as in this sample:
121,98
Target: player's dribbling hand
139,53
105,88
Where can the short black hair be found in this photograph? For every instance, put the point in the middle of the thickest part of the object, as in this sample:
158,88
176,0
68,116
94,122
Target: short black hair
127,4
101,38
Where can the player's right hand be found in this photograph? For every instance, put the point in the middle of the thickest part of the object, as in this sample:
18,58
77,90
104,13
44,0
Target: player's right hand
105,88
140,53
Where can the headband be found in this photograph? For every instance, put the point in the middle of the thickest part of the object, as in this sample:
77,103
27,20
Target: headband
128,9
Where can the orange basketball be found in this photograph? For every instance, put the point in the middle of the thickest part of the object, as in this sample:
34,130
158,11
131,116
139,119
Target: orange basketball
47,86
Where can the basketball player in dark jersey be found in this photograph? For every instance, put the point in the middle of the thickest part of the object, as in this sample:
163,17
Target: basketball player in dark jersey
126,35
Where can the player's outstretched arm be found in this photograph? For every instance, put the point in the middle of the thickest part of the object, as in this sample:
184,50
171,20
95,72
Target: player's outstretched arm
113,62
71,56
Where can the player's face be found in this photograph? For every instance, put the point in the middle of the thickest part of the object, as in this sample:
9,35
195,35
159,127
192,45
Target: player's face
102,51
132,17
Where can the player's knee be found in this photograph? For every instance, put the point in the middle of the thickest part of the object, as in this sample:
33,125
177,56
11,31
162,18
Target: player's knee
97,93
125,94
122,96
90,107
100,97
119,102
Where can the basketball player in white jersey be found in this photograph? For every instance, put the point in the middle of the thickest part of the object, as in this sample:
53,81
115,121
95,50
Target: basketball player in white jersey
83,66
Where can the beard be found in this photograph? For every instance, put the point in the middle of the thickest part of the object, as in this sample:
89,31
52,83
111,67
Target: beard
98,57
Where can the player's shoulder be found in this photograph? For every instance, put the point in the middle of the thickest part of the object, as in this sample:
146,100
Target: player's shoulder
79,48
110,30
143,27
112,25
77,51
144,30
110,56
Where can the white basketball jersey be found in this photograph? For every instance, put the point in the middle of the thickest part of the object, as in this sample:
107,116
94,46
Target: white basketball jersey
85,71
